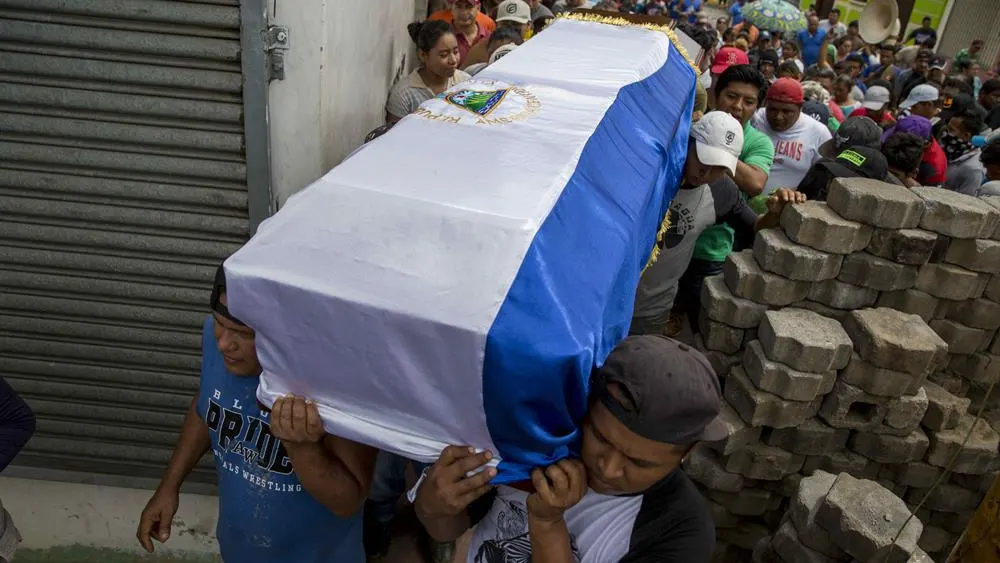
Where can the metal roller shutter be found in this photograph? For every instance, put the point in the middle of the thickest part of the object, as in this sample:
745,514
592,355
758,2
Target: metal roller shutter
972,19
123,184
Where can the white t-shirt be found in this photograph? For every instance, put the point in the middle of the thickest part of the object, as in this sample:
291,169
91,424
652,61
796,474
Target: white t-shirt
838,30
795,149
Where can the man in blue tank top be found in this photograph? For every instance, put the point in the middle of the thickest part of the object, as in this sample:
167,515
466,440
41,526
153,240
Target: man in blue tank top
287,490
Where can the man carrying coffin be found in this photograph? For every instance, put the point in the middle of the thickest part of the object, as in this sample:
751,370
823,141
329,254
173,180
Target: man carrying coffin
287,490
625,499
707,196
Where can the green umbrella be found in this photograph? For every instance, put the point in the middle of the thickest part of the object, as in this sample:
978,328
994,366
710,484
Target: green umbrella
775,15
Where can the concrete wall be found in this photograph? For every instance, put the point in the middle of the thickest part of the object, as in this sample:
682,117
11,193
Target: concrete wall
343,57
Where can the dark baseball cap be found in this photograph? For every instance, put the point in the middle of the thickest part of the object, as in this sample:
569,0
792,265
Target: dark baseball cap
672,394
817,110
218,288
854,132
860,161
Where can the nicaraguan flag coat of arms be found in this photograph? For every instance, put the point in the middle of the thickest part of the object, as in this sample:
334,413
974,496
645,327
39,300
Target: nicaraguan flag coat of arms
457,280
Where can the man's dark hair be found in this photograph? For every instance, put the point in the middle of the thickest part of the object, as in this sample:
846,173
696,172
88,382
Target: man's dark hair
885,46
990,86
856,58
728,35
539,23
835,11
788,68
904,151
991,152
741,73
972,121
841,40
704,37
506,33
929,43
791,45
959,83
854,24
815,72
978,42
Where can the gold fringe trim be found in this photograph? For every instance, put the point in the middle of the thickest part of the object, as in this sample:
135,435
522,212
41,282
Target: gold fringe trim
664,226
622,22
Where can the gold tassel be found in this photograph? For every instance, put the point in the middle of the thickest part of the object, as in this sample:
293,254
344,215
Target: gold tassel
622,22
659,239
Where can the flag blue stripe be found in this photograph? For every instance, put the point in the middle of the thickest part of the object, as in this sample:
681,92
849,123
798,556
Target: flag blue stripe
571,301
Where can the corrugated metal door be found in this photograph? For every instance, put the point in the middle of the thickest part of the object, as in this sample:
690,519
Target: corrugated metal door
123,183
972,19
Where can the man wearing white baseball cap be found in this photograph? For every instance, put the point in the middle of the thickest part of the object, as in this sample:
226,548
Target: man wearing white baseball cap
514,14
922,100
707,196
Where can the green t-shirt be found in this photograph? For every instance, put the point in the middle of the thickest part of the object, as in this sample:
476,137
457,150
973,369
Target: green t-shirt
716,242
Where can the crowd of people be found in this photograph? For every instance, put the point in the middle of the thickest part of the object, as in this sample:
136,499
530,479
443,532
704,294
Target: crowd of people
775,118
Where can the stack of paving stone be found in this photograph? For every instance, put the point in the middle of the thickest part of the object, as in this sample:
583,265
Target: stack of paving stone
840,518
860,338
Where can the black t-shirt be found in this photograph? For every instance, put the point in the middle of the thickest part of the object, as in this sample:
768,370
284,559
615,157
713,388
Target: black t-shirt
669,523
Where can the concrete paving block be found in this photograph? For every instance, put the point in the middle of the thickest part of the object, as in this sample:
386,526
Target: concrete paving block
719,337
802,507
875,203
953,214
764,553
724,307
815,225
867,270
895,340
819,308
849,407
912,301
947,281
878,381
946,497
911,474
977,313
934,539
746,279
944,409
740,435
978,255
903,246
777,254
705,467
961,339
977,394
789,547
886,448
782,380
977,456
763,462
747,502
840,295
812,437
979,484
804,340
978,368
950,521
993,201
844,461
919,556
744,535
954,384
907,411
760,408
721,516
864,518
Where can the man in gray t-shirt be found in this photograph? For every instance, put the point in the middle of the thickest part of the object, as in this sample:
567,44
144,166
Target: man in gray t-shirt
538,10
706,197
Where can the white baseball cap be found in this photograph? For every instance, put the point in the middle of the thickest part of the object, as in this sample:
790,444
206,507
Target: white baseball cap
922,93
718,139
515,11
876,97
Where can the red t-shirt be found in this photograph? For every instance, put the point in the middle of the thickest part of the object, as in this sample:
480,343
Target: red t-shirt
887,118
933,166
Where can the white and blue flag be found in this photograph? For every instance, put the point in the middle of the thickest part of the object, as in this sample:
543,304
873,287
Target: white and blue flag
457,280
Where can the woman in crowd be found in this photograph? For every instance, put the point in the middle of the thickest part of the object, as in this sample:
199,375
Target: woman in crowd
842,87
437,49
